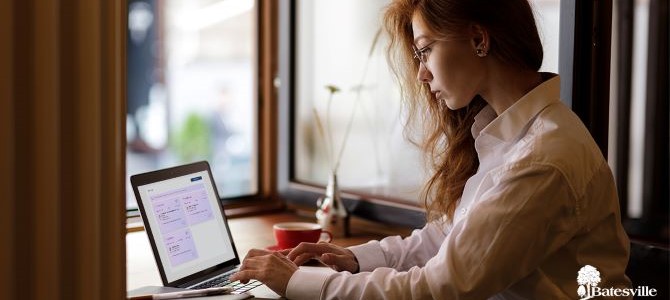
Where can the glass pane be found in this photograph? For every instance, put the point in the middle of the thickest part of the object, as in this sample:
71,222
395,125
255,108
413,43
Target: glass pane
547,18
191,89
377,159
638,108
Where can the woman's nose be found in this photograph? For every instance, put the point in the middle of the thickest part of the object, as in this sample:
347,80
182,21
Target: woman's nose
424,74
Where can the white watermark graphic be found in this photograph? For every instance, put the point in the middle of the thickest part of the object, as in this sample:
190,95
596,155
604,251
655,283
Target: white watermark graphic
588,279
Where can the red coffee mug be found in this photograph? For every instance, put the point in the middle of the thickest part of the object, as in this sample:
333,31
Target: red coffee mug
289,235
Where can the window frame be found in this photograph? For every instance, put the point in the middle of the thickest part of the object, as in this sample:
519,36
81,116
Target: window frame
265,199
652,226
586,48
303,195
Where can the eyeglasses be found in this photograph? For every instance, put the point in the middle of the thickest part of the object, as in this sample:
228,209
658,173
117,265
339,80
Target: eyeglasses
422,54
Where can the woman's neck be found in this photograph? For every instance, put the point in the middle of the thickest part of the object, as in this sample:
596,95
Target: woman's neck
506,86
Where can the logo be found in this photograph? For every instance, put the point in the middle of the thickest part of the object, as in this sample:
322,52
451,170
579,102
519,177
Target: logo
588,276
588,279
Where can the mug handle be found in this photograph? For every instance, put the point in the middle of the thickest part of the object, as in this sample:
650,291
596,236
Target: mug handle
326,232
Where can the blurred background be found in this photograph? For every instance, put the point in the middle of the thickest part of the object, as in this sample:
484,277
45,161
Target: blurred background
192,90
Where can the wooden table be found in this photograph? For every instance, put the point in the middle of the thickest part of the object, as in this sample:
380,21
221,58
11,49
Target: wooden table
248,232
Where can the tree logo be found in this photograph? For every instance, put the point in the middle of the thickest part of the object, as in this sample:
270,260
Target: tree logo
588,279
588,276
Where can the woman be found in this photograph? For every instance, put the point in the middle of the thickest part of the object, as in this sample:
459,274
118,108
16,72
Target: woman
521,197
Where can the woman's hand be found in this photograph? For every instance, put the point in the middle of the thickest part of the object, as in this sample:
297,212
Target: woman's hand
271,268
338,258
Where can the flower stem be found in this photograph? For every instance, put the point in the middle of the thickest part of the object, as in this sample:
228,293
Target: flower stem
357,100
330,133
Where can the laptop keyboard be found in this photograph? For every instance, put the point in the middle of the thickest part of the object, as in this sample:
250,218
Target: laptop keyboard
223,281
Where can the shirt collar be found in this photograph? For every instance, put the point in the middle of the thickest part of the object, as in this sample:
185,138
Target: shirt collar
508,125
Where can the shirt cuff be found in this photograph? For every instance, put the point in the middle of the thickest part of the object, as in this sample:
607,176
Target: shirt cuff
369,255
307,283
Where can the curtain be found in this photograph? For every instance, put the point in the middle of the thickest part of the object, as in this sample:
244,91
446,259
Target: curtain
62,129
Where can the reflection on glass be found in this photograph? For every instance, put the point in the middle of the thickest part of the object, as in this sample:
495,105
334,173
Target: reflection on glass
377,158
331,52
638,107
547,19
191,89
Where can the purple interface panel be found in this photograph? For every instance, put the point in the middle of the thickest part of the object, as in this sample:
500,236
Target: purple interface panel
180,246
170,215
197,206
176,210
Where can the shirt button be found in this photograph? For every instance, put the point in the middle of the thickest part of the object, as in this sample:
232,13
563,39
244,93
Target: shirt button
464,211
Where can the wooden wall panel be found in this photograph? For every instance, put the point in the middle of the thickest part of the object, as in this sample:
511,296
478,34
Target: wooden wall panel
88,172
62,121
22,58
113,148
44,150
7,228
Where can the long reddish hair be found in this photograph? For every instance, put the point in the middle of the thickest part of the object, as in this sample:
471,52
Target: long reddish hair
446,137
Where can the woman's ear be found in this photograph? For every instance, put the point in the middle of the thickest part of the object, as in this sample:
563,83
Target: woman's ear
480,40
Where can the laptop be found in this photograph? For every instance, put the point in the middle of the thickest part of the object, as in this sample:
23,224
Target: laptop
188,231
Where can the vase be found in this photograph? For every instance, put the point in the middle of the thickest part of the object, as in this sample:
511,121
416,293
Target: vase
331,214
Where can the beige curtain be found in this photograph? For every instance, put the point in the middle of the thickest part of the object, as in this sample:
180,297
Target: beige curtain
62,164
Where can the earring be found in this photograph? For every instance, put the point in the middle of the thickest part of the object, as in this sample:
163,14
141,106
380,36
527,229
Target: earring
481,52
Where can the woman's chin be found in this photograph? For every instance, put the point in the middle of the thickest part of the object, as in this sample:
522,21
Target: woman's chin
453,104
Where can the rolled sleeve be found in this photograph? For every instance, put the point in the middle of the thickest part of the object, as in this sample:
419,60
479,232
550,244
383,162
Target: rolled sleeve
369,255
307,283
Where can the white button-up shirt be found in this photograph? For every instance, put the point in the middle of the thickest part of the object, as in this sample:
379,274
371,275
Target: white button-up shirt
542,205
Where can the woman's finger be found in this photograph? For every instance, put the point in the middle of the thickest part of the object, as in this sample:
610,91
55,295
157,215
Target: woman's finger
251,263
244,276
303,258
315,249
257,252
285,252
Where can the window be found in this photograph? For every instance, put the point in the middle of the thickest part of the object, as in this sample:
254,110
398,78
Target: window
192,89
376,159
547,19
377,162
639,117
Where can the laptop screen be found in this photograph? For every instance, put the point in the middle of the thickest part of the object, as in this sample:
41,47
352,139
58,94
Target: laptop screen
186,223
